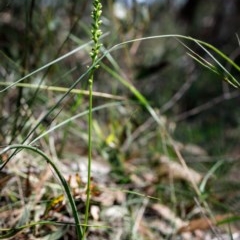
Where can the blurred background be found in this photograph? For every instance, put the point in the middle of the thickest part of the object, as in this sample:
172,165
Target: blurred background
204,108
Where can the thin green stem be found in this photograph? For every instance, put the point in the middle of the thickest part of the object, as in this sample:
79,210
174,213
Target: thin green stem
89,152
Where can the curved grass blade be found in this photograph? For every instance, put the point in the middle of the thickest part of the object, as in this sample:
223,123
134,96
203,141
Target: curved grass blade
61,178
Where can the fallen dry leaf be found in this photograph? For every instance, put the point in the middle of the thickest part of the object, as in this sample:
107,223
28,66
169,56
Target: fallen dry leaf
95,211
4,177
167,214
176,171
203,223
194,150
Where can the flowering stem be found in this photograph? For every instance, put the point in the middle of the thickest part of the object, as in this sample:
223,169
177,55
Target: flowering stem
96,33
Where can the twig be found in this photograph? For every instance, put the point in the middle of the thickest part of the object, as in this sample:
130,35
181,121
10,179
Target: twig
206,106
